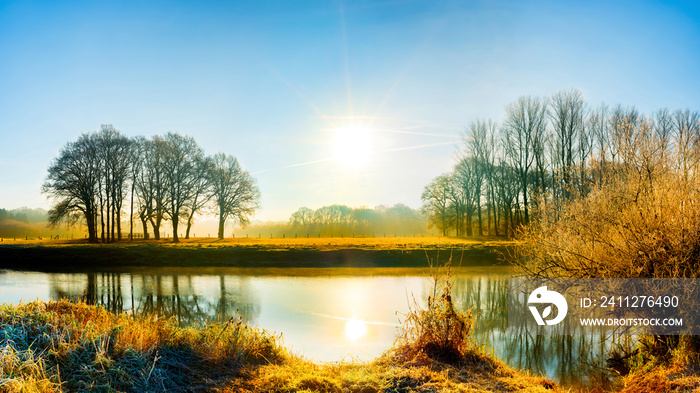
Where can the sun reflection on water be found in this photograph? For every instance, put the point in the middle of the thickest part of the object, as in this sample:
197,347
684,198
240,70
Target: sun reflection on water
355,329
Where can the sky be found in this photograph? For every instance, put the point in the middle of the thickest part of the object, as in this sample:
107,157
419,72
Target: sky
275,83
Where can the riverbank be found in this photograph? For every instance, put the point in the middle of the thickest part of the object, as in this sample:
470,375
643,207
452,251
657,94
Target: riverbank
67,255
63,346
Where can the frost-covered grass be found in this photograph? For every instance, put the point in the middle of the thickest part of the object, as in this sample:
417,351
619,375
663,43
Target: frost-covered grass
67,347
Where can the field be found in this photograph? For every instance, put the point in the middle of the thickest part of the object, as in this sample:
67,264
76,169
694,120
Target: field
71,255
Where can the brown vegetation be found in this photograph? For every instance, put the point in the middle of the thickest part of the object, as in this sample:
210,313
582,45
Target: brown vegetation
62,346
638,216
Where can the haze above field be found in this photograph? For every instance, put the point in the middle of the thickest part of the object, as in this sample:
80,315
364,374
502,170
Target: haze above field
357,103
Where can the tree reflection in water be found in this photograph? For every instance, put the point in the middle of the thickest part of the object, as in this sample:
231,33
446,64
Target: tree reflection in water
570,358
189,299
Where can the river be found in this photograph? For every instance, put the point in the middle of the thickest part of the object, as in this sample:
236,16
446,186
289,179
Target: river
324,314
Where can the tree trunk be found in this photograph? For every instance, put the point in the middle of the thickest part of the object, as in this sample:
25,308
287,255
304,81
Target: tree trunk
221,228
527,217
176,220
222,219
145,229
156,230
131,216
478,212
108,212
189,226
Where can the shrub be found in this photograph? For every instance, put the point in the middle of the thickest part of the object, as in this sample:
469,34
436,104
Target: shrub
436,331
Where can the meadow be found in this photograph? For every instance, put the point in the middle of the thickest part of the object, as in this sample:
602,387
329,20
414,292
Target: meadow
69,255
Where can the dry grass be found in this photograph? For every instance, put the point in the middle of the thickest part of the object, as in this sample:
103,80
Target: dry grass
62,347
641,218
316,243
66,256
390,374
437,331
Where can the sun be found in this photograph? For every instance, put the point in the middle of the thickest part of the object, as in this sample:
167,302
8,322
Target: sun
352,146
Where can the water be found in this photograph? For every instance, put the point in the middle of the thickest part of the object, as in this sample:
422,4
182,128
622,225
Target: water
324,314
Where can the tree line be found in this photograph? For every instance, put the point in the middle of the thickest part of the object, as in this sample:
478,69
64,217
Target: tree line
341,220
548,150
162,178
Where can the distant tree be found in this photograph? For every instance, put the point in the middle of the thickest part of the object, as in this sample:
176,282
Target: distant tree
333,219
465,193
72,182
362,219
233,191
476,143
302,217
436,203
507,187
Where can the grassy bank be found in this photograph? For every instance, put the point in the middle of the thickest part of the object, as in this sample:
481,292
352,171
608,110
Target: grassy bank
57,255
62,346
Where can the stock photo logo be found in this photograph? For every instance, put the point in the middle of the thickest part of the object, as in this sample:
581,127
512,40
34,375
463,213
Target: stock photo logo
542,296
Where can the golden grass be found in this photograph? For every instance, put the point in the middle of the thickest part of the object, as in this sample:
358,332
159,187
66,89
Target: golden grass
62,346
322,244
390,374
655,368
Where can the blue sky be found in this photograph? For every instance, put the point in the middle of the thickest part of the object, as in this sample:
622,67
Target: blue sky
270,81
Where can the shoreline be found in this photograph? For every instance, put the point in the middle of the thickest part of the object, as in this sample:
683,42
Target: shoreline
72,256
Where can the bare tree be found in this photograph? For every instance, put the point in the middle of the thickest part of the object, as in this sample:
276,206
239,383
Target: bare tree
234,191
135,158
476,142
599,127
568,116
181,159
72,183
687,133
663,128
525,121
465,193
202,191
436,203
115,150
151,185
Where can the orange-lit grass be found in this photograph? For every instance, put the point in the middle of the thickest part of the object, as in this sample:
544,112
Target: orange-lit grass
62,346
654,368
323,243
390,374
437,331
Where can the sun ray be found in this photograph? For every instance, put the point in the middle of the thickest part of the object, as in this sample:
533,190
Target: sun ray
346,58
299,94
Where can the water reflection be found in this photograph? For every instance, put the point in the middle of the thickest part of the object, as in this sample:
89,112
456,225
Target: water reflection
570,358
324,314
190,299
